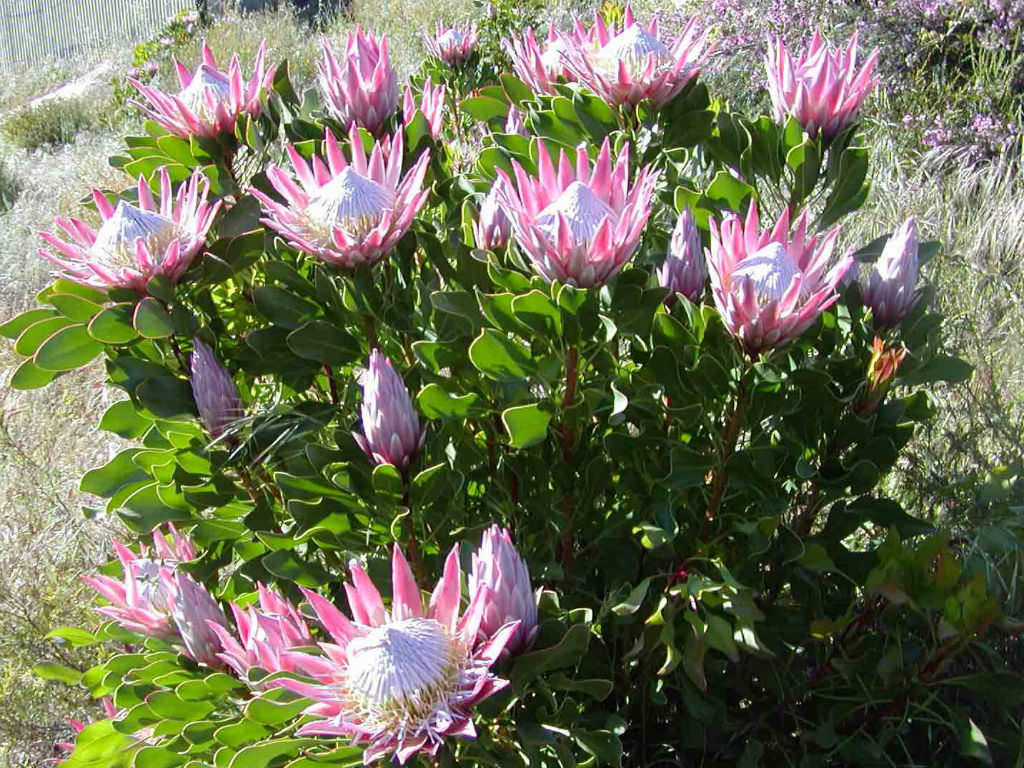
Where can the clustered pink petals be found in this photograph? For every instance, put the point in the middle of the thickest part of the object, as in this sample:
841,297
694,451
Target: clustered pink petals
431,105
541,66
391,432
346,212
822,89
210,101
213,390
498,566
452,43
578,226
360,88
770,287
136,243
891,285
492,228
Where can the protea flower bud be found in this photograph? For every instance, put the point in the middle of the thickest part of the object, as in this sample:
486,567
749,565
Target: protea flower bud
193,611
210,101
346,213
578,226
891,288
401,680
540,67
770,287
492,228
684,271
213,390
452,44
822,89
431,105
882,370
136,243
498,565
360,89
391,429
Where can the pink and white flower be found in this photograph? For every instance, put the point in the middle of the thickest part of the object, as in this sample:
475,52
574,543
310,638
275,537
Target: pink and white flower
194,612
431,105
492,228
684,271
391,432
541,66
360,88
452,43
498,565
891,285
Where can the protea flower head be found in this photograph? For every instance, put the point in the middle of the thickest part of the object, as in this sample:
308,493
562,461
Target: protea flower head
882,368
492,228
399,680
452,43
346,213
431,105
541,66
210,100
822,89
627,65
770,287
891,285
499,566
578,226
684,271
136,243
361,88
391,429
194,611
213,390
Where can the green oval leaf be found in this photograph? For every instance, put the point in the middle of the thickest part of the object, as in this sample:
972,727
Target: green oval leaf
67,349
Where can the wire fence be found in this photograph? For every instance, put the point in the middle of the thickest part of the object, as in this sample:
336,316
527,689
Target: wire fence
31,30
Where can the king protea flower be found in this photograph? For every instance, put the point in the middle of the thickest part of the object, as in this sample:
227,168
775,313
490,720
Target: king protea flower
540,67
210,101
891,285
684,271
431,105
194,613
492,228
399,680
136,243
578,226
770,287
391,429
629,65
361,88
822,89
213,390
498,565
452,44
346,213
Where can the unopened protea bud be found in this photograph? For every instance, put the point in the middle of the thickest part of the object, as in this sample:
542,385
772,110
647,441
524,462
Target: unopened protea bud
214,391
193,611
891,288
391,429
498,565
359,87
452,44
684,270
493,228
882,370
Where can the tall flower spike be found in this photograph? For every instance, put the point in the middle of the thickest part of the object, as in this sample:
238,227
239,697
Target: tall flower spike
346,212
452,43
822,89
360,88
578,225
213,390
629,65
400,681
194,612
431,105
210,100
499,566
769,287
492,228
136,243
391,429
891,286
684,271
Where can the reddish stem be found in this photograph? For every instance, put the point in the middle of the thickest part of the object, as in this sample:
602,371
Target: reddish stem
568,439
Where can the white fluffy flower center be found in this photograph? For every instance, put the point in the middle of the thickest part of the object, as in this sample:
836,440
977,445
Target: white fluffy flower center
583,211
770,270
205,81
149,583
634,46
553,57
117,237
349,202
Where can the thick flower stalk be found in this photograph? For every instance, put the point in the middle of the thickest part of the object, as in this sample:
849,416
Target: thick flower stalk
578,225
194,613
452,43
405,679
213,390
882,368
542,66
136,243
210,101
684,271
498,565
770,287
822,88
890,287
391,432
360,87
492,228
628,65
431,104
346,213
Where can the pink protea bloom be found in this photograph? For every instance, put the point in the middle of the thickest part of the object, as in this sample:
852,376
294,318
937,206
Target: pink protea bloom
402,680
769,287
629,65
346,213
541,66
136,243
891,285
578,226
213,390
498,565
194,611
684,271
391,429
431,105
452,43
361,88
492,228
822,89
210,100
